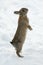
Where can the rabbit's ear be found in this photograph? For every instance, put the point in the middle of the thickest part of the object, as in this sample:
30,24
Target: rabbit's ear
16,12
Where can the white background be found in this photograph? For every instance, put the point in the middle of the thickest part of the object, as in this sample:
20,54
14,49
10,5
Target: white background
33,46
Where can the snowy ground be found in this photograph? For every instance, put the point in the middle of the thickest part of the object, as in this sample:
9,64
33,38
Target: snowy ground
33,47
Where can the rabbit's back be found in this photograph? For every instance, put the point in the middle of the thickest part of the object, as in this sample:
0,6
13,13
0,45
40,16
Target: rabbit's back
21,30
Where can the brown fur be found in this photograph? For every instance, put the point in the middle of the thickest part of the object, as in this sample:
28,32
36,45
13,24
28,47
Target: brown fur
23,24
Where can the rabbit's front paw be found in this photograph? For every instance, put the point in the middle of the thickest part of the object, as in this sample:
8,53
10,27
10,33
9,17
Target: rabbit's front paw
31,29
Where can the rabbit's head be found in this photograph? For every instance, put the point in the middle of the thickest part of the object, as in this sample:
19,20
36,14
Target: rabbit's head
22,11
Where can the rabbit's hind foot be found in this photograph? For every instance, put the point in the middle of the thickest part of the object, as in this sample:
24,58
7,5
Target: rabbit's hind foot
19,54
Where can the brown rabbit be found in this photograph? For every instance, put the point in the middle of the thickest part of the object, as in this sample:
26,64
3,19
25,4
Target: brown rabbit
23,24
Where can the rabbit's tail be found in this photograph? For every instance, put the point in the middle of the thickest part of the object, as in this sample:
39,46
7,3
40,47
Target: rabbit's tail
11,42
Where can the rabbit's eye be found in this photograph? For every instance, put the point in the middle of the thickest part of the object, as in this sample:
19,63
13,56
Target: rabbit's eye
23,10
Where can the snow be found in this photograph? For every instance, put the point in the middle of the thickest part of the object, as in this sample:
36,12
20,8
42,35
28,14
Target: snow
33,46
